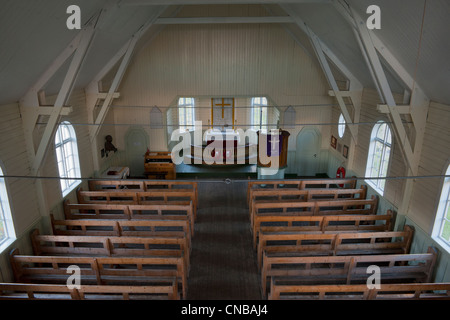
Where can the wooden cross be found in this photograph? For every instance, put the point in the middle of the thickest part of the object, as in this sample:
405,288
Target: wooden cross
223,104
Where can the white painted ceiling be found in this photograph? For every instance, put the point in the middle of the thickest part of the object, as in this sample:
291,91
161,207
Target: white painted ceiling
33,33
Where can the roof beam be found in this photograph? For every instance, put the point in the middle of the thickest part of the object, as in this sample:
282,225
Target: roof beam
223,20
127,55
333,84
322,52
63,95
372,48
355,84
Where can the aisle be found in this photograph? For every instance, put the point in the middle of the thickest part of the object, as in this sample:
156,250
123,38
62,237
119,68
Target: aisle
223,263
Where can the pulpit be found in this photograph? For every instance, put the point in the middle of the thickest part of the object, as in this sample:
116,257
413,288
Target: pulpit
272,154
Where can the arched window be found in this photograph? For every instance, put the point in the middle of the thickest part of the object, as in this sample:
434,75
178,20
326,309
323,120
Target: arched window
341,126
441,229
379,154
258,116
67,157
6,223
186,113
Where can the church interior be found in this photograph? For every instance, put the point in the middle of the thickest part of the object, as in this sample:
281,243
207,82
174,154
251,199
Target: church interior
225,150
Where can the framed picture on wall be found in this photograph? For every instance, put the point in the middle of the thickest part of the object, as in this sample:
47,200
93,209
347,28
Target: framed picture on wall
345,151
333,141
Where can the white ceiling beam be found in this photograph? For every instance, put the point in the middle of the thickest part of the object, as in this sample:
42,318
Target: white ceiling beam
380,78
355,84
333,84
223,20
381,48
401,109
212,2
322,52
63,95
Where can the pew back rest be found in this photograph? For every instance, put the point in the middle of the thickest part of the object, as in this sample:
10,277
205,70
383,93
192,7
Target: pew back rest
26,291
336,243
118,184
110,246
95,211
348,183
349,269
99,270
119,228
414,291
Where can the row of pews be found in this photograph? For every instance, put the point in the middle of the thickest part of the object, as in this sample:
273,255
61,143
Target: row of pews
325,240
126,240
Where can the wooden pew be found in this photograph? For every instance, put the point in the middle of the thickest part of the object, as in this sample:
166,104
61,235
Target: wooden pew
154,185
181,212
398,291
336,243
123,271
121,228
110,246
306,194
171,196
95,211
116,184
314,208
27,291
163,211
326,223
120,197
319,270
146,185
347,183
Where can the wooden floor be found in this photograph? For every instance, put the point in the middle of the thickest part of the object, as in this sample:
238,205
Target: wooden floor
223,263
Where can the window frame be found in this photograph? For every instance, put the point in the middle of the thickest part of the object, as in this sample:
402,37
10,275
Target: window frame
184,106
6,213
341,126
67,148
378,183
263,108
443,206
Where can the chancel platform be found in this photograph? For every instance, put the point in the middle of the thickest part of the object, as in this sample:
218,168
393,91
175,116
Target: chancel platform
242,171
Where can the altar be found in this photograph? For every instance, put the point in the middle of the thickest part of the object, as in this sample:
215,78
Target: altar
222,147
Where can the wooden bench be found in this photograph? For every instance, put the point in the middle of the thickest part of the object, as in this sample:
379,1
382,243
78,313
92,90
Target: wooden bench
347,183
163,211
306,194
27,291
121,228
319,270
120,197
336,243
326,223
313,208
400,291
146,185
123,271
181,212
110,246
116,184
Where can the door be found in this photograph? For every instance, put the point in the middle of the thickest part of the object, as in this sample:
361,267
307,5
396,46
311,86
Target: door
307,151
136,141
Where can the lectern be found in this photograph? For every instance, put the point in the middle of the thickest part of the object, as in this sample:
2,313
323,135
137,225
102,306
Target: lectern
159,165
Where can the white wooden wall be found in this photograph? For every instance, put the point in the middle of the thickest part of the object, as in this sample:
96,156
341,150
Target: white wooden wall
393,191
238,61
434,161
21,191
